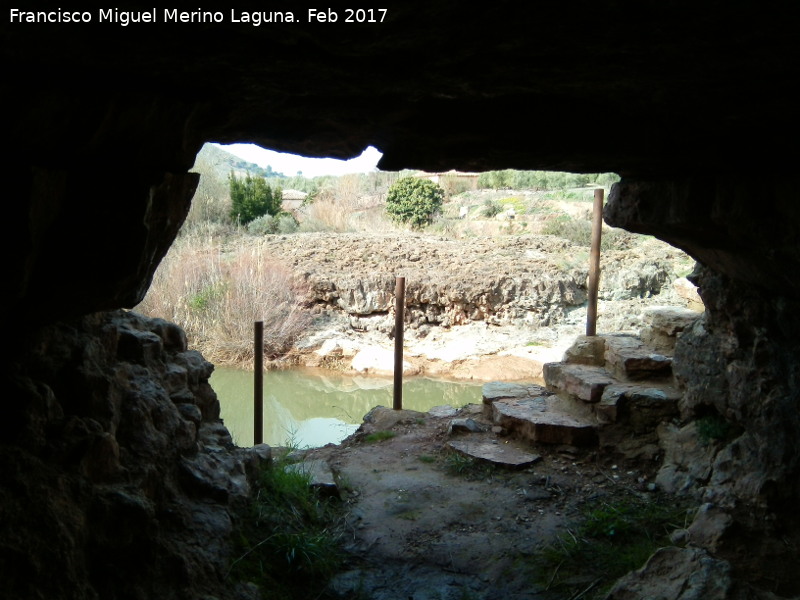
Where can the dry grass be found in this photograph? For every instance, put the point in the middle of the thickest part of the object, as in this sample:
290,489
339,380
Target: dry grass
216,294
343,206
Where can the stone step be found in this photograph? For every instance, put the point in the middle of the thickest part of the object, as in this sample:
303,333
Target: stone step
541,419
498,390
643,405
584,382
628,358
586,350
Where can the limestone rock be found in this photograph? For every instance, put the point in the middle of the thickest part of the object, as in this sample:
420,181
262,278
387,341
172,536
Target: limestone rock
378,361
688,291
709,527
677,574
466,426
640,279
443,411
381,418
687,461
498,390
586,350
122,461
662,325
320,476
627,357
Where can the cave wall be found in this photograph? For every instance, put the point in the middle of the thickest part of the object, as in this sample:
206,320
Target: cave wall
119,478
738,368
693,104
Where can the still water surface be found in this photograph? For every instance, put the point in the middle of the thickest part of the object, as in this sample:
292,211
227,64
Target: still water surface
314,408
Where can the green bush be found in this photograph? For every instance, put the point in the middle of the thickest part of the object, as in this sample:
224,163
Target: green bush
491,208
414,201
266,224
287,223
252,197
263,225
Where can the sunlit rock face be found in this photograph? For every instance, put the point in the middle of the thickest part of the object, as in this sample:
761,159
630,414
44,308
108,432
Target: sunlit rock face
694,104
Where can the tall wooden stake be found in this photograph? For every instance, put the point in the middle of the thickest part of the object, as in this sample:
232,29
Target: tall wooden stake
258,384
399,308
594,262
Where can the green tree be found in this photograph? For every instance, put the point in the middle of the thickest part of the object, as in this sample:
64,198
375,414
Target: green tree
414,201
252,197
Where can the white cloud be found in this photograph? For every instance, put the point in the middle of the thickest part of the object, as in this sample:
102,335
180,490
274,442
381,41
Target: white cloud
290,164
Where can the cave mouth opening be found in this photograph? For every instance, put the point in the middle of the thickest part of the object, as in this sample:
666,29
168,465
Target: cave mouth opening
219,272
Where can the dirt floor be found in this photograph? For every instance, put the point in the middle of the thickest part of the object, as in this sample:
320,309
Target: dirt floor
425,523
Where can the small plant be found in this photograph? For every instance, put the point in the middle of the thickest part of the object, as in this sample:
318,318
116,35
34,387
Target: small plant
379,436
714,428
287,542
576,231
426,458
491,208
461,465
609,540
206,297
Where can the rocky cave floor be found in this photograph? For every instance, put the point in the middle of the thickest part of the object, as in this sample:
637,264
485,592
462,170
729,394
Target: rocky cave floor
423,523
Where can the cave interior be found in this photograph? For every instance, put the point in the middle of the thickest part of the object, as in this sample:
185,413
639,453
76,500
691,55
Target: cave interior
690,103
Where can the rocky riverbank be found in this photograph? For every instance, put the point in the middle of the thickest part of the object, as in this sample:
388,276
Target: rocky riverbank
477,308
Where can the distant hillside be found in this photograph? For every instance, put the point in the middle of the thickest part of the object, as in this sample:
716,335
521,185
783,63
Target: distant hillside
214,160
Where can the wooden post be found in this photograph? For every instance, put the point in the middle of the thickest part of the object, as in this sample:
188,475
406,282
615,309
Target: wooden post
594,262
258,384
399,309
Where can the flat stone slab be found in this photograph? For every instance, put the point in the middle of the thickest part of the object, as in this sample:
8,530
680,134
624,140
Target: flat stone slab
319,473
496,453
584,382
629,358
537,421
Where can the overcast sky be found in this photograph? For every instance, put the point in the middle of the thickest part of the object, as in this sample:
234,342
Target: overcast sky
290,164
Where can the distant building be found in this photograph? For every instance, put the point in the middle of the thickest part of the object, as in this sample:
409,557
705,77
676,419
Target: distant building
293,200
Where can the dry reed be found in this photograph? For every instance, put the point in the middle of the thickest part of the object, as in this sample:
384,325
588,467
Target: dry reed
216,294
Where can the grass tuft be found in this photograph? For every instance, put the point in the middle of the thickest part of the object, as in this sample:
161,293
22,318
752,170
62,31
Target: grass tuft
379,436
287,543
609,540
468,467
713,428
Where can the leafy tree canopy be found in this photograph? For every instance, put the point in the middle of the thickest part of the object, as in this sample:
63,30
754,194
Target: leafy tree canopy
252,197
414,201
